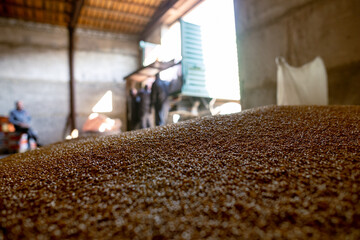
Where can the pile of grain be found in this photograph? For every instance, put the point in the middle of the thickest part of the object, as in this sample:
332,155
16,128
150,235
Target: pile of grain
273,172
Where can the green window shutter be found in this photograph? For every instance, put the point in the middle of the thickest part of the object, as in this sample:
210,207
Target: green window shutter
193,67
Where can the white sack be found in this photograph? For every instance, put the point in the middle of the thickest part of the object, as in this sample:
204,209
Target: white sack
306,85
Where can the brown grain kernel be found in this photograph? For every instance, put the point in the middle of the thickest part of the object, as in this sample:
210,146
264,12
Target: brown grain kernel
271,172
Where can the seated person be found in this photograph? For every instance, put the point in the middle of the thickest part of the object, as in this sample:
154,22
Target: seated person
21,120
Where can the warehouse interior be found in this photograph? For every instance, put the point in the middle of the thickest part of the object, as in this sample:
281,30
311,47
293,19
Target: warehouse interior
61,57
239,158
36,51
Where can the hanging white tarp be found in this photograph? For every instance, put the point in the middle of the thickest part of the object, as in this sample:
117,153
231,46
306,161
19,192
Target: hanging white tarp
305,85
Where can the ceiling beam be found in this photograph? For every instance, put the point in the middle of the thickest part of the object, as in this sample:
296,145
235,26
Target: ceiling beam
168,13
45,20
181,8
57,1
4,7
111,21
155,20
129,2
75,13
26,12
117,12
27,7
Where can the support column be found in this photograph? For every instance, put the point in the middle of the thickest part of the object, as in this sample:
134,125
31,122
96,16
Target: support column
72,115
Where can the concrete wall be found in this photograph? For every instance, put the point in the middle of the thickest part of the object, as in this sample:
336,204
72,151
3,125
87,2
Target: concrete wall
34,68
101,63
298,30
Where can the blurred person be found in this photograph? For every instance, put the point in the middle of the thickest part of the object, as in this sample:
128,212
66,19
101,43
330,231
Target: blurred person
160,100
145,107
134,103
21,120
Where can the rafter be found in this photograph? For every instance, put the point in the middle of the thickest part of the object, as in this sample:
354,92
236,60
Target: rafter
26,12
45,20
76,13
112,21
179,10
169,12
85,21
34,8
163,8
130,2
117,12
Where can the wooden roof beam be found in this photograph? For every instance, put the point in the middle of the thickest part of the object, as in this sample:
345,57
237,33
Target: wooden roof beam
58,1
168,13
75,13
117,12
15,5
4,7
130,2
112,21
179,10
156,19
45,20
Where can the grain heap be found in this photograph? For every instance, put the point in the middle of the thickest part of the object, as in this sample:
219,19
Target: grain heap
272,172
